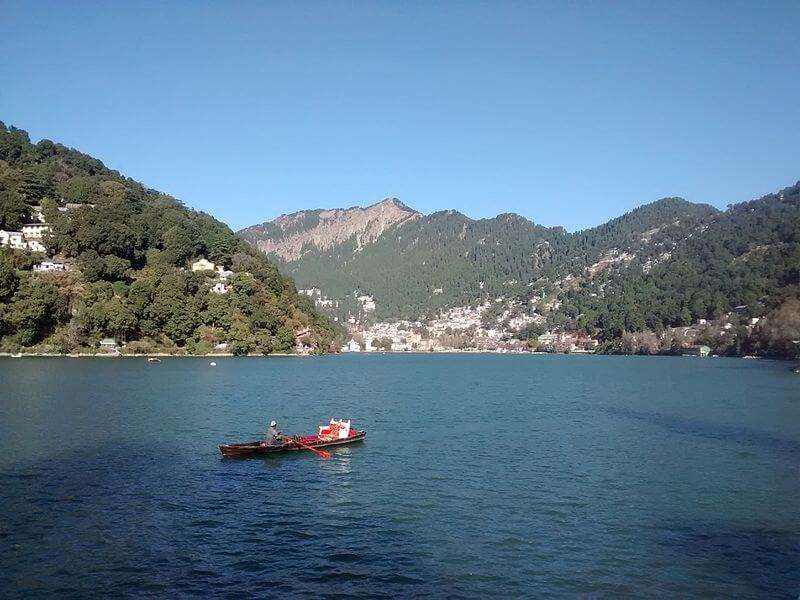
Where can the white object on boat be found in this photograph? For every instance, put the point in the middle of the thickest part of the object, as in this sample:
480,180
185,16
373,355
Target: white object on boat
335,430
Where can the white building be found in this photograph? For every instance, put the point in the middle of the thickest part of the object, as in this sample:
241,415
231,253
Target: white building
219,288
51,266
203,265
547,338
222,273
35,231
38,213
13,239
367,302
352,346
36,246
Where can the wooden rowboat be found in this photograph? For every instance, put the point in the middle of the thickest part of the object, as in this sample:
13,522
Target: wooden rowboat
261,448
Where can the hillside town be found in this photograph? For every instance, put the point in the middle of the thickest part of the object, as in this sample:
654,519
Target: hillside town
496,326
493,326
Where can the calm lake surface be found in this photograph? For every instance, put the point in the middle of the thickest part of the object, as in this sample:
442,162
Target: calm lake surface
480,475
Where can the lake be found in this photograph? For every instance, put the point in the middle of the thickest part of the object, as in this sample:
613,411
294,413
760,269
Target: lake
480,475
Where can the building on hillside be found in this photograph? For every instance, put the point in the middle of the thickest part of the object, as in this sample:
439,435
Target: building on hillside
219,288
75,205
37,212
109,345
203,265
547,338
367,302
351,346
697,351
51,266
222,273
35,231
13,239
36,246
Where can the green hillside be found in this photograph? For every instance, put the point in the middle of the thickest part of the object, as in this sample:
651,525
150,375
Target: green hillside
747,256
664,264
430,263
128,250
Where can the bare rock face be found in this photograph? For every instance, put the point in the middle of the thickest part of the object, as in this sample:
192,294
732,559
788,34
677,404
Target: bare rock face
288,235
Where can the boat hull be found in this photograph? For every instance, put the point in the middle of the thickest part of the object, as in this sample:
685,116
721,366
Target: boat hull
259,448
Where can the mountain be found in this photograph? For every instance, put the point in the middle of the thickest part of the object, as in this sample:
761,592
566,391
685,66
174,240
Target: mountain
665,264
289,236
100,255
414,265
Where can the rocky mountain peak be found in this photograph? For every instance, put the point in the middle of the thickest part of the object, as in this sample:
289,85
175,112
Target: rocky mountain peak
288,235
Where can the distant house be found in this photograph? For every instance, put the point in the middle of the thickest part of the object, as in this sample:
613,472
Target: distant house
50,266
352,346
109,345
697,351
222,273
36,246
13,239
38,213
547,338
219,288
202,265
35,231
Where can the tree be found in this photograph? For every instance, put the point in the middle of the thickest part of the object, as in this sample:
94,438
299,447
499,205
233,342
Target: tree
114,267
14,211
284,340
91,265
240,338
36,310
778,332
8,276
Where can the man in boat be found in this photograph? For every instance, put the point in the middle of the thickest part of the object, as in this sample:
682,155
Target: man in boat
273,435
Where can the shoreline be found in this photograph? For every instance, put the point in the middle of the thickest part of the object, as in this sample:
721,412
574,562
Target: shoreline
415,352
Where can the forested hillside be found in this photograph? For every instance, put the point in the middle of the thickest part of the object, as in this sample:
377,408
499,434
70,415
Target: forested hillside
423,265
665,264
126,253
747,256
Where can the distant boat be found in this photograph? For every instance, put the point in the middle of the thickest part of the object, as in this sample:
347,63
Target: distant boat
152,359
16,355
212,364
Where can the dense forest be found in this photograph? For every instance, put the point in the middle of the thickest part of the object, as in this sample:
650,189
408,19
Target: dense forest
667,264
442,260
747,257
128,250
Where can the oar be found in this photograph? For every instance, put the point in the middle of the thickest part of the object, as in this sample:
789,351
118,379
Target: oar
320,453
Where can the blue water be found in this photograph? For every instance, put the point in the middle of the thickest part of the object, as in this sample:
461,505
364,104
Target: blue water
481,475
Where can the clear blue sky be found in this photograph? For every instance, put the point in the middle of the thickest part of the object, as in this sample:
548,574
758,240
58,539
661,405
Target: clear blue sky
567,112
